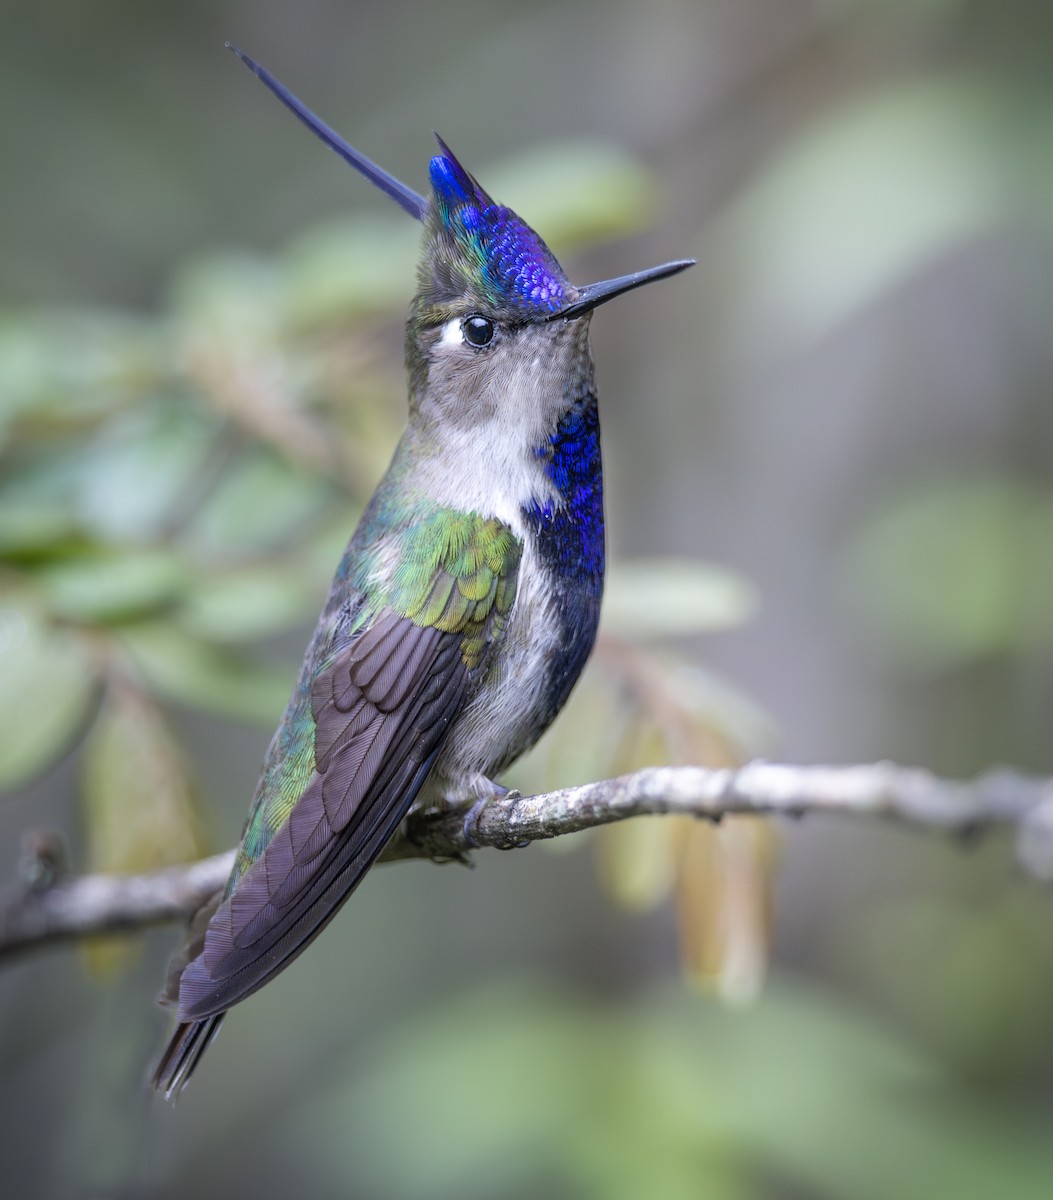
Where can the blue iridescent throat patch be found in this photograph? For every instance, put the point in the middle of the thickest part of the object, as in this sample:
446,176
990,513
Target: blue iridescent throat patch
513,263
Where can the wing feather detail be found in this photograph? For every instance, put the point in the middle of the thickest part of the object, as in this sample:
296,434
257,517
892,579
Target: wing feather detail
360,735
372,757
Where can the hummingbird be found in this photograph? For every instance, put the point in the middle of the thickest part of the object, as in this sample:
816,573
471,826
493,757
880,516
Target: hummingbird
463,609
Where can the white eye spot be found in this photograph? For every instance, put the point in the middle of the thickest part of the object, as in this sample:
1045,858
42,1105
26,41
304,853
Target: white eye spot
473,330
451,333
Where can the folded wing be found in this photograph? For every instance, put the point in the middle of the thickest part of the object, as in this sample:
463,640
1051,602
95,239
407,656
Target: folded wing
381,709
345,767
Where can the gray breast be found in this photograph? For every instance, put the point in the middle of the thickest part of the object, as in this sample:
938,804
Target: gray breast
509,710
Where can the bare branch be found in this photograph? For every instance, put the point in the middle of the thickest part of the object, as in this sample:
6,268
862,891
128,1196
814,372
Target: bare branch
45,904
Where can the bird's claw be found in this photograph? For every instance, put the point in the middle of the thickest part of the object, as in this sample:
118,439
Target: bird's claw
471,822
471,817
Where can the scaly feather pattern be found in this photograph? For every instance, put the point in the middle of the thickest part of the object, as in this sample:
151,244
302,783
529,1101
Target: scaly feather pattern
570,539
484,250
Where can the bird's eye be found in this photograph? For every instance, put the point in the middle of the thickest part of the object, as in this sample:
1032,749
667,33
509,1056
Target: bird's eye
477,331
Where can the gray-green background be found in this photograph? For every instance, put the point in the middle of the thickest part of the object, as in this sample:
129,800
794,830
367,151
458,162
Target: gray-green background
847,401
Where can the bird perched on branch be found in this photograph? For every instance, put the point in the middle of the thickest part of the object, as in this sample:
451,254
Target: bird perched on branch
463,609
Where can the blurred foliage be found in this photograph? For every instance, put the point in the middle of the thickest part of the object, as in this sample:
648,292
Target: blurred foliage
875,192
998,956
638,706
955,569
138,798
664,1099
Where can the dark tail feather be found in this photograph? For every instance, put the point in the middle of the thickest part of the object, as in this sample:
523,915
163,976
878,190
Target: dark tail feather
179,1061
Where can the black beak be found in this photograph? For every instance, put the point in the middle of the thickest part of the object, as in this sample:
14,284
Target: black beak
599,293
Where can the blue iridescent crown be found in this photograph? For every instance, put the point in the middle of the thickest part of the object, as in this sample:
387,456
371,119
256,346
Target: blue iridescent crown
485,250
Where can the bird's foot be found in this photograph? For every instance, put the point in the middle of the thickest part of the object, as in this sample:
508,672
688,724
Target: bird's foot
470,826
475,811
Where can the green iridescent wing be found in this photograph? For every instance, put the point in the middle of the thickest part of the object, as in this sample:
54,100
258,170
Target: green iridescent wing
379,709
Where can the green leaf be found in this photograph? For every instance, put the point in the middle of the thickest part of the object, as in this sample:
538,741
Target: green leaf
191,671
347,269
47,680
260,502
103,588
665,597
251,603
636,861
138,798
31,531
139,804
142,467
850,209
71,369
38,509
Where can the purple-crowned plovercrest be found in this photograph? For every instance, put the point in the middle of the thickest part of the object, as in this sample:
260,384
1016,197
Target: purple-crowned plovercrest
463,609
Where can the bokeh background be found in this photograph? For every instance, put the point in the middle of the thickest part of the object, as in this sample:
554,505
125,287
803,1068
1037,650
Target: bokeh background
844,411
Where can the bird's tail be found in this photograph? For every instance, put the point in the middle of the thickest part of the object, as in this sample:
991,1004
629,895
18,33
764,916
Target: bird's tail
190,1039
184,1050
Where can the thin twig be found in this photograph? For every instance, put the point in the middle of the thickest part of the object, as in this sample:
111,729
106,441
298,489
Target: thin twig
46,905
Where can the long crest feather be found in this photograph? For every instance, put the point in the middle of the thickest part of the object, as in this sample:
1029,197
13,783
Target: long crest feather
475,248
404,196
